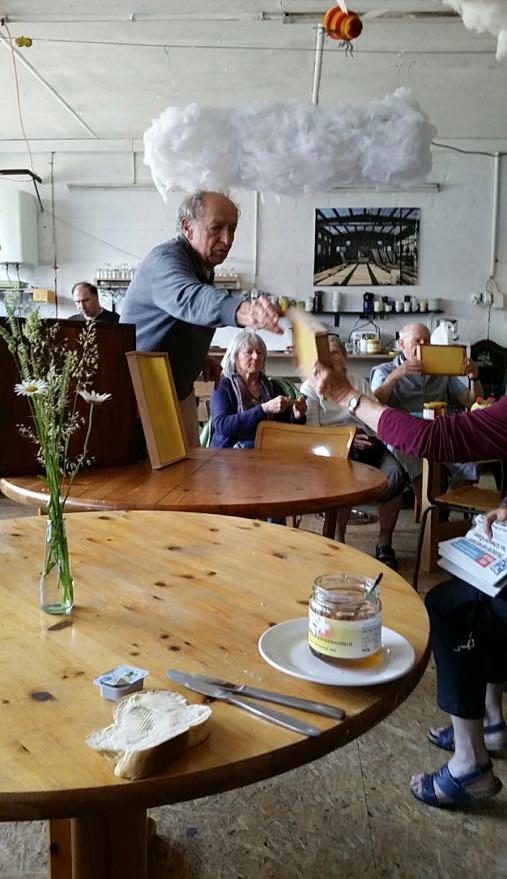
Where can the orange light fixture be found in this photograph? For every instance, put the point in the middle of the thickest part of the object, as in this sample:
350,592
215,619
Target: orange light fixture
340,25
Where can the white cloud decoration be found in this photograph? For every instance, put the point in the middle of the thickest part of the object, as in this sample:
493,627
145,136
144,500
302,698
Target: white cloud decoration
290,148
485,16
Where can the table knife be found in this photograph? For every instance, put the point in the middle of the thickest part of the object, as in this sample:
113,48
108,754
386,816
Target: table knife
269,696
214,692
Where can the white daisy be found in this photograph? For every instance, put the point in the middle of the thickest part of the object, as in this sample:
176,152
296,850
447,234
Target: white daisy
31,387
93,397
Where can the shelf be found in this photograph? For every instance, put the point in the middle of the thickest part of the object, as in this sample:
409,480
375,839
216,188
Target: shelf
112,282
377,315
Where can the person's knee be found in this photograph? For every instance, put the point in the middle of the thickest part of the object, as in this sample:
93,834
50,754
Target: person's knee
395,475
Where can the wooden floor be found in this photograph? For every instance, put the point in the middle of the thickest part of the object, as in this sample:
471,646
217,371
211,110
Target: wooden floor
347,815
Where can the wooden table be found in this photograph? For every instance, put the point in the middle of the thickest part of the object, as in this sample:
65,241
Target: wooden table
160,590
235,482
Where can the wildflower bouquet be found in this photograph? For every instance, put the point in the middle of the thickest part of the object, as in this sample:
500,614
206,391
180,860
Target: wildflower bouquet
52,379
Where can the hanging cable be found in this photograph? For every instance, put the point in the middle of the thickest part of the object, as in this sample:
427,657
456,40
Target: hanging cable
4,24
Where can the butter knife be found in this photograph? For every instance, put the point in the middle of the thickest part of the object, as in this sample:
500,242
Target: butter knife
268,696
214,692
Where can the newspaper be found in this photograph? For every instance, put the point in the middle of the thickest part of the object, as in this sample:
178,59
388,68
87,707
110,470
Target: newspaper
477,559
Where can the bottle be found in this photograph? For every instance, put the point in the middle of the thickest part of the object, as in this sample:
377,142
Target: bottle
344,619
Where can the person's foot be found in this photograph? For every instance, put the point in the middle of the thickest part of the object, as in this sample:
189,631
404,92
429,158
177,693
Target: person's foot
448,787
495,737
385,554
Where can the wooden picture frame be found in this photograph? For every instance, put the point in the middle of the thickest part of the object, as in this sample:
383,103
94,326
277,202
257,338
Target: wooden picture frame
311,340
442,359
158,406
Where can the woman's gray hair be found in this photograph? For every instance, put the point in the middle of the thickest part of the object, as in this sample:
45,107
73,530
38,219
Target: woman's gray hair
192,207
340,344
240,341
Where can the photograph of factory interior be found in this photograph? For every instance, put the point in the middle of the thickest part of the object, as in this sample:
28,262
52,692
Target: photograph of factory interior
361,246
363,148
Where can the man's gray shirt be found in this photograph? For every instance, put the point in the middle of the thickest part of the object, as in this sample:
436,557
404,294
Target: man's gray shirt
176,308
413,391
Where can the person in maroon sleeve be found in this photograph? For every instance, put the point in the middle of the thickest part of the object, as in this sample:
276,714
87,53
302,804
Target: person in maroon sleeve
468,628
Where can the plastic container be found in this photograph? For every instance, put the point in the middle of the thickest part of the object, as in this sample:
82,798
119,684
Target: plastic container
434,409
121,681
344,619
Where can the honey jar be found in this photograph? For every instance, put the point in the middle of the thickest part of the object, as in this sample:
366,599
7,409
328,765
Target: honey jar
435,409
345,619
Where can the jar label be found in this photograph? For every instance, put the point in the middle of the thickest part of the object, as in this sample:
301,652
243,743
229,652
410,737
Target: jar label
345,639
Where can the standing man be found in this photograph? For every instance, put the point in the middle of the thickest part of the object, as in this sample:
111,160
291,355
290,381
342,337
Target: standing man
175,306
86,298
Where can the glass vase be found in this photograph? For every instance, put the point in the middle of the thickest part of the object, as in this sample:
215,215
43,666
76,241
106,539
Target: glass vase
56,583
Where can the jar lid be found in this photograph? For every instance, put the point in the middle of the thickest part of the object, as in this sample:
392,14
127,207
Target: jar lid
344,587
436,405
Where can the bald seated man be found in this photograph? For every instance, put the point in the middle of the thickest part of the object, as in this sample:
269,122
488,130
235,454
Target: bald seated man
176,307
400,384
86,297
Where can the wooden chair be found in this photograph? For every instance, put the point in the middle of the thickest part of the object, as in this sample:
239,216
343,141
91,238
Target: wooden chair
330,442
468,499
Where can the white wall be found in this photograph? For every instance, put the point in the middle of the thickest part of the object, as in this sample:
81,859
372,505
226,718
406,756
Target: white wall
94,226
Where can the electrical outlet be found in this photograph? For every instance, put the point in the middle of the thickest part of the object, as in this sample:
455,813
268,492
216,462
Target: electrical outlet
498,300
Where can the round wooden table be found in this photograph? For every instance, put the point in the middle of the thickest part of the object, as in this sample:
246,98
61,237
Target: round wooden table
161,590
234,482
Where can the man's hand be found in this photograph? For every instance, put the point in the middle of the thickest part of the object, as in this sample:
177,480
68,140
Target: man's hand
361,441
299,408
500,514
471,370
410,366
332,382
211,371
260,314
276,405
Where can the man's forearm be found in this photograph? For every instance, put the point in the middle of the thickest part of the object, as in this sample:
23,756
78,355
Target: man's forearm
384,391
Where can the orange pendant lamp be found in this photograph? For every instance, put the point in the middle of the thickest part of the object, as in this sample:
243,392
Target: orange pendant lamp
340,25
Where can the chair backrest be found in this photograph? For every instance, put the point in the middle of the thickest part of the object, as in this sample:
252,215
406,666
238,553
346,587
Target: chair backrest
330,442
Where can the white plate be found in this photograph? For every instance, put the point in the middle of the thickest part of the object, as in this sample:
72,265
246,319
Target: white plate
285,646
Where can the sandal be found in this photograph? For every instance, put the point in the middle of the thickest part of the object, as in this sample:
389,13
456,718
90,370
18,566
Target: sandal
385,554
444,739
455,789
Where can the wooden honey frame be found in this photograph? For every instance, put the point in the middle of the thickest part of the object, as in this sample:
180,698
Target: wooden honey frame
158,407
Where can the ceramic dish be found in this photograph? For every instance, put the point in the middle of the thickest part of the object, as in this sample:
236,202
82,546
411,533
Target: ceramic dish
285,647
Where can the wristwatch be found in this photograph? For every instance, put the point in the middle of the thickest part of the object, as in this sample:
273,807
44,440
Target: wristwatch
354,403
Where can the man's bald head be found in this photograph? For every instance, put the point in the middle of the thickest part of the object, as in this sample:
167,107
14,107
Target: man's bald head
412,335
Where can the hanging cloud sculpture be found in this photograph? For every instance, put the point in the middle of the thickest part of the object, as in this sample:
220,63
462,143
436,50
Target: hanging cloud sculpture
290,148
485,16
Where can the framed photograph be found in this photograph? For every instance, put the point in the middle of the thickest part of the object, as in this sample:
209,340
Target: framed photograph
158,407
366,247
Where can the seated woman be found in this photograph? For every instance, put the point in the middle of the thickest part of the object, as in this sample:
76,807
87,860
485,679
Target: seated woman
367,449
468,628
245,396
